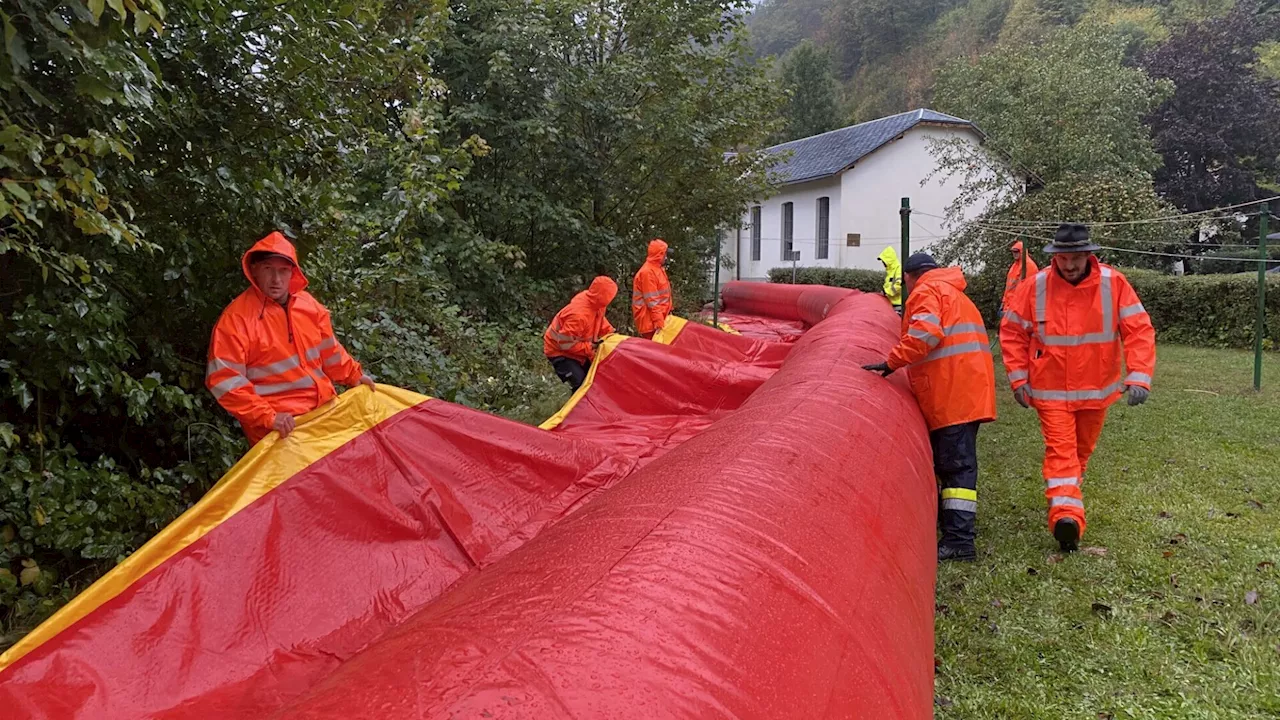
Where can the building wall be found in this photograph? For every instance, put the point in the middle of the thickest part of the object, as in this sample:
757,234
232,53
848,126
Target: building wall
804,230
865,200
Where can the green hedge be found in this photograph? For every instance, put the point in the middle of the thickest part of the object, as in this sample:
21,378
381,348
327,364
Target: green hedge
1203,310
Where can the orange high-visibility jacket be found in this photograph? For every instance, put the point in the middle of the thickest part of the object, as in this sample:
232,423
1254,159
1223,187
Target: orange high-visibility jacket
1065,341
1016,276
266,358
651,291
946,348
575,328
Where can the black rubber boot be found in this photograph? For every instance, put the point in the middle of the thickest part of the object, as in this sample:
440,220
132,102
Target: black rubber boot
956,554
1067,532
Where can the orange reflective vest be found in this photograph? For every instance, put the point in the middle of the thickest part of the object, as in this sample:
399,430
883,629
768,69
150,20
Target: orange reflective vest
575,329
1015,276
946,348
1066,342
651,291
266,357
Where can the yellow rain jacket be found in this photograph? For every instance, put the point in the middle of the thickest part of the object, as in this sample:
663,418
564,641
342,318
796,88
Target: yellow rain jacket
892,276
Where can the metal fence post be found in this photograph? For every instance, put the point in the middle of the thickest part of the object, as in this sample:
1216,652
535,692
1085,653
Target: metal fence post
905,214
1260,328
715,291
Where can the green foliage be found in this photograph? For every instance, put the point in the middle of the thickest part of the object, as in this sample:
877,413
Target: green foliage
450,176
1208,310
870,281
1068,107
1217,132
811,104
609,124
1211,263
1067,116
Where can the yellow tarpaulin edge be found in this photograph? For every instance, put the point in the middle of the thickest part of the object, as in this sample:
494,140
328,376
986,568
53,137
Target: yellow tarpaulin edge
665,336
319,433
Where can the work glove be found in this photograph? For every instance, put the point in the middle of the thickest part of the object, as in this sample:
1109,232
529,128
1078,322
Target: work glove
1023,396
882,368
1137,394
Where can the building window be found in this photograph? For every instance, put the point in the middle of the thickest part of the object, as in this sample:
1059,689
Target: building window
788,227
824,228
755,233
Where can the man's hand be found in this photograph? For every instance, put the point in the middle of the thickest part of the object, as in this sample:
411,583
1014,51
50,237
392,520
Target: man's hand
1137,394
882,368
367,381
1023,396
283,424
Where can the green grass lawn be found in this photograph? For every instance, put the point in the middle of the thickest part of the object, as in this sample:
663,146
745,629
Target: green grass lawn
1173,608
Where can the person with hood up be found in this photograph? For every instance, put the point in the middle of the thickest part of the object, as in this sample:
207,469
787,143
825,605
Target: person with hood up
945,346
1023,267
651,292
1063,338
574,333
892,277
273,355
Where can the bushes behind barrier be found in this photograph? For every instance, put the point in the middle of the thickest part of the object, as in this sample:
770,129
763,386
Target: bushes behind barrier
1202,310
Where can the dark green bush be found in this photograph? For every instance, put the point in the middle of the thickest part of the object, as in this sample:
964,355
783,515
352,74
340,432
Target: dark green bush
1202,310
1213,262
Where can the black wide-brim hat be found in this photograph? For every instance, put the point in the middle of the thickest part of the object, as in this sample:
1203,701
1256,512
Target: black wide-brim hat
1071,238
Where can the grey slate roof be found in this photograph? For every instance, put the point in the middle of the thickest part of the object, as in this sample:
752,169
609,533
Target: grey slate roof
834,152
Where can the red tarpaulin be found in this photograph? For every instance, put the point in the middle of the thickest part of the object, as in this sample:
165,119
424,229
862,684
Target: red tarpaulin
717,527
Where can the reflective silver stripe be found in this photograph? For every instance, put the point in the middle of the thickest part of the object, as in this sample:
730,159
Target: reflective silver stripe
1130,310
1074,395
1017,375
1108,333
929,318
961,349
959,328
961,505
930,339
226,386
217,364
258,372
1062,482
1137,377
565,342
305,381
1016,319
1066,501
314,353
333,359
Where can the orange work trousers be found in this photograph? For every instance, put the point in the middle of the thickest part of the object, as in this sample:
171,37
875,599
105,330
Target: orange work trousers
1069,440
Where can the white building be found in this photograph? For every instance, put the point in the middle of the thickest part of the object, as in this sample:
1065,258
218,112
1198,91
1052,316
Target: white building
841,192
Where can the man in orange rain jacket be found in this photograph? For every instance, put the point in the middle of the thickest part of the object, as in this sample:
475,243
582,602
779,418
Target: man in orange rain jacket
273,355
945,346
571,339
651,292
1017,273
1063,338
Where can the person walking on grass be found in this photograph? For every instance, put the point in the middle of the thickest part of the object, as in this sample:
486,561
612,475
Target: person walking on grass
1064,336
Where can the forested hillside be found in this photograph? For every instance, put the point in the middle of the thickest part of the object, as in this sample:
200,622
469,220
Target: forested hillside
1107,111
452,172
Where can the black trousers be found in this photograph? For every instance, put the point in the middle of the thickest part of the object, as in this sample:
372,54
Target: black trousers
955,462
570,371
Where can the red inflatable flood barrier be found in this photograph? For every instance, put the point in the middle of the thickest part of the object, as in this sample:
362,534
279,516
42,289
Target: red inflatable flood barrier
778,564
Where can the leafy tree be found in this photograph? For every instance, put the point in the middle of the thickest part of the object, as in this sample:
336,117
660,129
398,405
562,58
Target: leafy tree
777,26
811,105
1218,131
610,123
1065,142
867,31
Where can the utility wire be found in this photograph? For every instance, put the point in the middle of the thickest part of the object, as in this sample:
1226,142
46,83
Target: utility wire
1181,217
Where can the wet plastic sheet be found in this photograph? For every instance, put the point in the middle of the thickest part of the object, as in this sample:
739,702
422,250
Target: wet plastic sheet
745,570
778,564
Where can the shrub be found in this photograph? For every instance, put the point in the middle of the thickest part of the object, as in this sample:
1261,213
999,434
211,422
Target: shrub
1202,310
